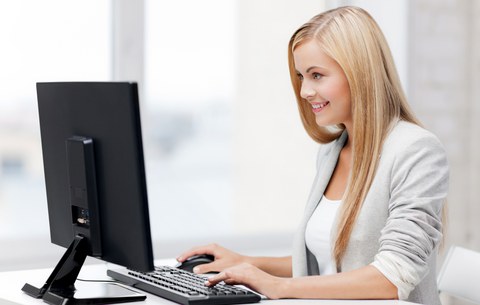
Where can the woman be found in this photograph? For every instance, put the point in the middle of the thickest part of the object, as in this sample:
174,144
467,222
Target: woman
373,221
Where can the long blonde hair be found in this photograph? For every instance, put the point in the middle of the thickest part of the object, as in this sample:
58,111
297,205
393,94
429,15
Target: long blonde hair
351,37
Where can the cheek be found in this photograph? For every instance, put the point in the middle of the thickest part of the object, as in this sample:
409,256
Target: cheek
339,92
342,102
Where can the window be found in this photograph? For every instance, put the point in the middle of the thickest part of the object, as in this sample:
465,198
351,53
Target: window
49,40
189,90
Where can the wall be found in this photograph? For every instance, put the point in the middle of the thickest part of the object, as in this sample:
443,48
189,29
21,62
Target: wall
444,78
274,157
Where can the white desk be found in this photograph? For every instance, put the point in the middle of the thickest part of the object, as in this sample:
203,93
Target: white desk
12,282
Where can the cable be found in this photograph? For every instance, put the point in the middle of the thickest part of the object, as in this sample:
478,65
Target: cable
97,281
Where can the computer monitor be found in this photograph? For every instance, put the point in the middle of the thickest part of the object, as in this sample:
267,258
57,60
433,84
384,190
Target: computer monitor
95,182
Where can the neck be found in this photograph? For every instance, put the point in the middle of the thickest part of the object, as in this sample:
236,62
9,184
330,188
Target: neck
348,144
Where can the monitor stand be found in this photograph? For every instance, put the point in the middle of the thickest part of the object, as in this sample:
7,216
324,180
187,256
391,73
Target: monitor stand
59,288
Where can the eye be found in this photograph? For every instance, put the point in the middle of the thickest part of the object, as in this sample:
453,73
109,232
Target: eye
316,75
300,76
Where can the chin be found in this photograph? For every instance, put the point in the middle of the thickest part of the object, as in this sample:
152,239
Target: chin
323,123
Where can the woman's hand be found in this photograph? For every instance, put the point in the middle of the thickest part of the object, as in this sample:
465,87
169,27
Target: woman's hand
224,258
252,277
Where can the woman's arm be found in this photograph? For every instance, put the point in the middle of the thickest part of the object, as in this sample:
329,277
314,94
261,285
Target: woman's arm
364,283
277,266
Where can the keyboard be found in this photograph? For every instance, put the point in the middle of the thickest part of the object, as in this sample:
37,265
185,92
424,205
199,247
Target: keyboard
183,287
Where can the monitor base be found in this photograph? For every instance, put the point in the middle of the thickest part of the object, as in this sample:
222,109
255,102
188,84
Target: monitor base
95,294
59,289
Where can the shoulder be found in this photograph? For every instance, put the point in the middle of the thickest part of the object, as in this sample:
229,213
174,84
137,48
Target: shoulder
406,138
412,153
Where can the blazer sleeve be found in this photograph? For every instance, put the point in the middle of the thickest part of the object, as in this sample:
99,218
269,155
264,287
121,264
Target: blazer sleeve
413,230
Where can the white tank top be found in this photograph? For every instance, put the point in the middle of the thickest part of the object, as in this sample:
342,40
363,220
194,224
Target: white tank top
318,234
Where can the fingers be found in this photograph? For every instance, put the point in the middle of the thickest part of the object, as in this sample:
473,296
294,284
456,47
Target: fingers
205,268
207,249
233,275
223,258
251,277
222,276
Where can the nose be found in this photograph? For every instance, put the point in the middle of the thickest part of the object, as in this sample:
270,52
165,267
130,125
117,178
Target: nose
306,91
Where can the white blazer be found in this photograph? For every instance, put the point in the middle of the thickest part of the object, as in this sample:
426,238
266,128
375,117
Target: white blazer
400,217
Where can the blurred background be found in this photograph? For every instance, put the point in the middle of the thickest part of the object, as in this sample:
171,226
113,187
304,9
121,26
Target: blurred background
227,158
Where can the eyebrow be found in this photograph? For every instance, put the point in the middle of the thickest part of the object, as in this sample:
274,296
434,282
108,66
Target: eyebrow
313,67
309,69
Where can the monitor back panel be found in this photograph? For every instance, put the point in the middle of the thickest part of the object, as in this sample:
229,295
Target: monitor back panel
109,114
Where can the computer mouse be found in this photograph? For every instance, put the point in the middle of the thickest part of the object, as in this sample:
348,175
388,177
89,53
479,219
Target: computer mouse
195,260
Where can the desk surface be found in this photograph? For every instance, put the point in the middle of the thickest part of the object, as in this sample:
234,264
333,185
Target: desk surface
11,283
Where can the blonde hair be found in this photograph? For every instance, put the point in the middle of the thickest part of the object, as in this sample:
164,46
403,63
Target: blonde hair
351,37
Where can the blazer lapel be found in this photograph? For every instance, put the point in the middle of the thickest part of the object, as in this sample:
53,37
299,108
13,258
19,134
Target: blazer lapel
323,176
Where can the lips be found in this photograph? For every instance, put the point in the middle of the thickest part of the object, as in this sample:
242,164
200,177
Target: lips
318,107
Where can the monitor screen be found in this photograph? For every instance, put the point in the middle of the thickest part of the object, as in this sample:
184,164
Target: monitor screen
94,170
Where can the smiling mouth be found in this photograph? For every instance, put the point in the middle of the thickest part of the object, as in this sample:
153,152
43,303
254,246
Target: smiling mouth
317,107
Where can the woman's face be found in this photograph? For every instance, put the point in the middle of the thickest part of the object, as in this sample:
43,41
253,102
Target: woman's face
324,85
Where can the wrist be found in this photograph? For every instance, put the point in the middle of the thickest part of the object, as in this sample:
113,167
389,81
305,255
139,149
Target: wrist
286,288
282,288
250,260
